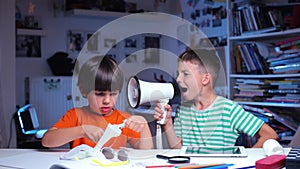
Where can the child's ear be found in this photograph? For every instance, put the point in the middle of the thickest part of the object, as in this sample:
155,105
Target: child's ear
206,79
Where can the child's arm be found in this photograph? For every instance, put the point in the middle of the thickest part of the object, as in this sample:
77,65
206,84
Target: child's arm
173,140
140,124
55,137
265,133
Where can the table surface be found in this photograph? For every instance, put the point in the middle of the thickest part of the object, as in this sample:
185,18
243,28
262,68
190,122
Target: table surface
49,158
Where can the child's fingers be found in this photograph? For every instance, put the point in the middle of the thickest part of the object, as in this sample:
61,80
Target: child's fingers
135,124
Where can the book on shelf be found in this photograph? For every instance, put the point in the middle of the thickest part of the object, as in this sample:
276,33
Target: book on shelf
288,86
278,120
254,17
284,118
289,44
283,82
284,91
267,90
248,98
259,112
247,53
282,56
276,18
252,92
282,99
251,86
285,61
263,30
251,81
286,69
246,57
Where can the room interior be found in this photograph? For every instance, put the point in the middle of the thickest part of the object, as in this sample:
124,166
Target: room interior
55,27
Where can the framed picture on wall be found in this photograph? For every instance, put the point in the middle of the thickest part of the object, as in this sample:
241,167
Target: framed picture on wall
152,45
131,58
109,43
93,41
75,41
28,46
131,42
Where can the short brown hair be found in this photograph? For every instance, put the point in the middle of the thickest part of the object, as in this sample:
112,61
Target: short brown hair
207,59
100,73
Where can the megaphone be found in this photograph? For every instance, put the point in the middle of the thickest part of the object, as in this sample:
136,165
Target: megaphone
139,92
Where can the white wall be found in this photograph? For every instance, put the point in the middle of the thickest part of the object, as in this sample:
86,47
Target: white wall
7,70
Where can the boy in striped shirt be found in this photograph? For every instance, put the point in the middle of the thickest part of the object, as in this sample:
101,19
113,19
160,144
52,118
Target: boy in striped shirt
204,118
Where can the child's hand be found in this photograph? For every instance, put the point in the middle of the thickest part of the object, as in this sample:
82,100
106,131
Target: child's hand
158,114
136,123
93,133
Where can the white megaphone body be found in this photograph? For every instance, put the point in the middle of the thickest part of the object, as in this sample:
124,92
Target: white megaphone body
139,92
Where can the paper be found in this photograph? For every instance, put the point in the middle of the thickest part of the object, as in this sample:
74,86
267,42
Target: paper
110,131
84,151
33,160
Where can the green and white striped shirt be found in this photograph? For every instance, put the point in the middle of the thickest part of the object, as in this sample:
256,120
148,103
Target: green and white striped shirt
218,125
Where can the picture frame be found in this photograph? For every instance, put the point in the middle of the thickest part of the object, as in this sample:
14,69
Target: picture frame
151,49
110,43
75,41
28,46
131,58
131,42
93,41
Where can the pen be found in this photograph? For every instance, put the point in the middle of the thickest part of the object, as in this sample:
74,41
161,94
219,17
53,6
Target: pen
219,166
199,166
158,166
252,166
170,165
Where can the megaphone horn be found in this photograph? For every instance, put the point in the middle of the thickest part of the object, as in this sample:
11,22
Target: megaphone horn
139,92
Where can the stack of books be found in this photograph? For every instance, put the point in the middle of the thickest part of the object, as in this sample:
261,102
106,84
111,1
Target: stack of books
251,90
285,90
287,59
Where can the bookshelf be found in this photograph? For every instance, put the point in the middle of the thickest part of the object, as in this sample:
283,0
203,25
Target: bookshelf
263,61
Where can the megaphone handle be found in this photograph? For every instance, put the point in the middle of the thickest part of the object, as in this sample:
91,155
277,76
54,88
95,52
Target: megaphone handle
163,103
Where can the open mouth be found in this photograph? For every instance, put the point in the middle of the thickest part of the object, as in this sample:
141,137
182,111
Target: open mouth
105,109
183,89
